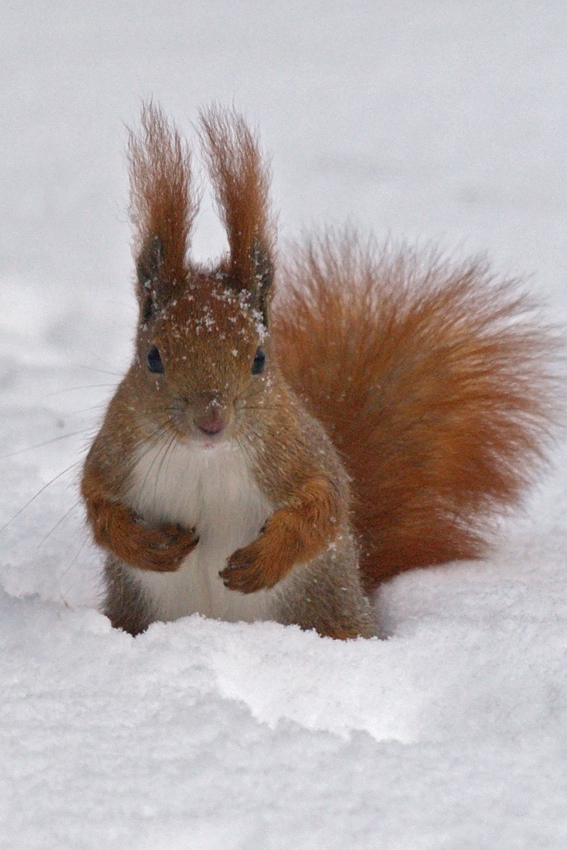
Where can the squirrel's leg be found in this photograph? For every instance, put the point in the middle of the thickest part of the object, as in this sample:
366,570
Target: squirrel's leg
327,595
124,534
294,534
125,603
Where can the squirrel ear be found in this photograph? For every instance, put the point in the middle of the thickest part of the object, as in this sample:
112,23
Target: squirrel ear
149,269
263,276
163,206
241,179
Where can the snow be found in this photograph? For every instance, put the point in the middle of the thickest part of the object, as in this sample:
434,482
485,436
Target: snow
437,123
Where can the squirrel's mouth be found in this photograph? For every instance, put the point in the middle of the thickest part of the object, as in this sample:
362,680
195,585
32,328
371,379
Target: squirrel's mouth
211,432
206,438
210,439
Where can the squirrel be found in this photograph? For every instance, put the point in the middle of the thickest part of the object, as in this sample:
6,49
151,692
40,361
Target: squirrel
278,458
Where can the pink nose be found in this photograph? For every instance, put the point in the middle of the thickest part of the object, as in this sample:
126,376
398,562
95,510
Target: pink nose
211,419
212,424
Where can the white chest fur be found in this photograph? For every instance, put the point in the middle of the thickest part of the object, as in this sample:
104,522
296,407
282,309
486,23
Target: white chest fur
211,490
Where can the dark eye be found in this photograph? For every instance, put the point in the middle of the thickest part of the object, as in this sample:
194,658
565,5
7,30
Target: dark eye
154,360
259,362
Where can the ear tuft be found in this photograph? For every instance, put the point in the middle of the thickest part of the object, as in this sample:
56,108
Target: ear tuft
163,206
241,180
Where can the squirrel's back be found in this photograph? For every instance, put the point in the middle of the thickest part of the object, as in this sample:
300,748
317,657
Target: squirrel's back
433,382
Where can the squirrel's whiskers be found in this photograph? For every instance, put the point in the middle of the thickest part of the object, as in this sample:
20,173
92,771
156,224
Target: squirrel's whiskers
277,461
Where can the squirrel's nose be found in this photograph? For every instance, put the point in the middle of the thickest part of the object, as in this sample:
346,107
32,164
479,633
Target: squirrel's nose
212,424
210,415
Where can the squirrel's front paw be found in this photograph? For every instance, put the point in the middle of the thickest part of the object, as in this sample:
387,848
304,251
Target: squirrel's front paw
248,570
166,547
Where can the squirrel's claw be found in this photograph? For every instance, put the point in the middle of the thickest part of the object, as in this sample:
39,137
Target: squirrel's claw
246,572
167,547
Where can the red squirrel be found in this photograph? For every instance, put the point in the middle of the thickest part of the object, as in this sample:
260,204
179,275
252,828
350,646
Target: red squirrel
278,458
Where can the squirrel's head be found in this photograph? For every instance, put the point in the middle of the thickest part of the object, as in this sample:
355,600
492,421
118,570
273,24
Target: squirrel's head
204,357
203,354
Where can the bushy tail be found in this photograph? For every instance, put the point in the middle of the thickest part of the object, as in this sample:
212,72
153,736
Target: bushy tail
433,381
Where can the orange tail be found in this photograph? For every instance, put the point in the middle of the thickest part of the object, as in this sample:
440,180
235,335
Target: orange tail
433,381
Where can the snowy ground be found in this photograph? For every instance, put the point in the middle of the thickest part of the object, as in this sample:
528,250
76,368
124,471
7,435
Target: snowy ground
440,121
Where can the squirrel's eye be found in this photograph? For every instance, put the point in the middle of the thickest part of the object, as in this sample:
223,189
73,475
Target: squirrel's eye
154,360
259,362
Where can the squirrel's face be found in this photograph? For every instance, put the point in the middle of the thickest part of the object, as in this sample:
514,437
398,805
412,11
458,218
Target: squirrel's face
203,360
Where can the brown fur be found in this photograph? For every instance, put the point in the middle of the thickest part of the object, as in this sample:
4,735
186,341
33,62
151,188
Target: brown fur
292,535
163,202
241,182
425,379
208,325
120,530
433,382
125,604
